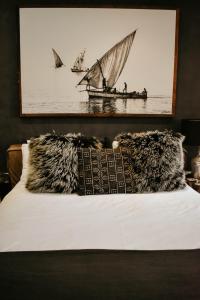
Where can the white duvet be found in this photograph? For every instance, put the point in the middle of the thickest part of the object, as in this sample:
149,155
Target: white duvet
168,220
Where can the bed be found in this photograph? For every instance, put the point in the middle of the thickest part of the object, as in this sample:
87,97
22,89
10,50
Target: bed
124,246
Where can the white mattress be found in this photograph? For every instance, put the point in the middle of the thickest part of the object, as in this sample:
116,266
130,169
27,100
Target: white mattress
123,221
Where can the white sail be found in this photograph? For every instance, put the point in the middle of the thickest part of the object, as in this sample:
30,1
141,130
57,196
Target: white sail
110,65
58,61
78,65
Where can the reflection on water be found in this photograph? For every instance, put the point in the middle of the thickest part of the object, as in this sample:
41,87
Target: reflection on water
108,105
101,105
151,105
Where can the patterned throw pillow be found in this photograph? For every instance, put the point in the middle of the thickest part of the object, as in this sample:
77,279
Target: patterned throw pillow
53,162
157,159
105,171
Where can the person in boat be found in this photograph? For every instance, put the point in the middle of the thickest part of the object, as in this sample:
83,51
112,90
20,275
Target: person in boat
125,88
144,92
104,83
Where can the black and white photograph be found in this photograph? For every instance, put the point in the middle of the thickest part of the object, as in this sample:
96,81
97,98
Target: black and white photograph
98,61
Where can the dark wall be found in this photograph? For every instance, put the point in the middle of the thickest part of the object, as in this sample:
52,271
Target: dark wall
14,129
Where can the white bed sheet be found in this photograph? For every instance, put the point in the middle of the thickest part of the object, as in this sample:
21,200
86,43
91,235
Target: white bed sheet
34,222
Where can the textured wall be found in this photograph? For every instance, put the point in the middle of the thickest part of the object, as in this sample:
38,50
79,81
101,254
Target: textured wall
14,129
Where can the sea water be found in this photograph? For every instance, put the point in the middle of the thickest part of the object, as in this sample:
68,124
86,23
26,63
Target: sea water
46,104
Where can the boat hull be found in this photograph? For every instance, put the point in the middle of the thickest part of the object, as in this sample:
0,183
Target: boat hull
76,71
115,95
79,70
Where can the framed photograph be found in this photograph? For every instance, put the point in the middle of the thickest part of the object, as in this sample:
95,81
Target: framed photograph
98,61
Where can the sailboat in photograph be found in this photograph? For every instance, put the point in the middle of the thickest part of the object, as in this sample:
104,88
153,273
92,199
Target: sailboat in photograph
103,75
57,59
79,63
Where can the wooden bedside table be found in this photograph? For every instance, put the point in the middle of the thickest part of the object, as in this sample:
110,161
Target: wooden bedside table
197,186
194,183
5,185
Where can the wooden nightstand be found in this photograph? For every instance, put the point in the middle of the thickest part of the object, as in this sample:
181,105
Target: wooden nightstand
5,185
194,183
197,186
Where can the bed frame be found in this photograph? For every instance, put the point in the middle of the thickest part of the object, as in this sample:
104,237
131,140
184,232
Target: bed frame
96,274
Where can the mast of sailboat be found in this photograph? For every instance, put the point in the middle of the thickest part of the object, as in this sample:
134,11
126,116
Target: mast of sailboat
104,79
110,65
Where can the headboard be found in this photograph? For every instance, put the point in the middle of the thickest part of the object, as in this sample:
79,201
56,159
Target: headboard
14,163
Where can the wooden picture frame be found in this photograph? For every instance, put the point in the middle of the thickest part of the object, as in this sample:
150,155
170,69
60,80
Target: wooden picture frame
98,62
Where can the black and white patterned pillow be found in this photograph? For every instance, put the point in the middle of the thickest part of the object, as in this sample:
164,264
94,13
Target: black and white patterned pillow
105,171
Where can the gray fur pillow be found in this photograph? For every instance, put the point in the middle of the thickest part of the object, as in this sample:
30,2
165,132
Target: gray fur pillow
157,159
53,162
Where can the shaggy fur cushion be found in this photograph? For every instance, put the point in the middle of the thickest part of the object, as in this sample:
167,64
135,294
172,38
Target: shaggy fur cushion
81,141
157,160
105,171
53,162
